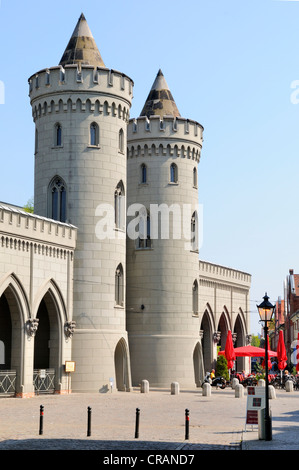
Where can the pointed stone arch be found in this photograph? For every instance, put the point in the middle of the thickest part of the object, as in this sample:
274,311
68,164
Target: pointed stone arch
14,307
224,325
50,311
240,334
122,366
198,364
51,286
12,281
207,329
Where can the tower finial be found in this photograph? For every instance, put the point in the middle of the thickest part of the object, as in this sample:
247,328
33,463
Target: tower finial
82,48
160,100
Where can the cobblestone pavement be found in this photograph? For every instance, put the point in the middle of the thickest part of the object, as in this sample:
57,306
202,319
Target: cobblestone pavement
215,423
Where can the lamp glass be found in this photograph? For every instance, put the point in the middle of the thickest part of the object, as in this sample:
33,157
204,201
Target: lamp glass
266,309
265,313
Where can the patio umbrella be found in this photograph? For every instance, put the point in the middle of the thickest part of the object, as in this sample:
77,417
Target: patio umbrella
229,350
297,355
281,352
250,351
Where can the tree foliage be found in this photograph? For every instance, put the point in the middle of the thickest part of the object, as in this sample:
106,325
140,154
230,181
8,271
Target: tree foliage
221,367
29,207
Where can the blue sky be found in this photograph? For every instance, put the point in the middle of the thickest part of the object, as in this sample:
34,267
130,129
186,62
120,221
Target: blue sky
230,65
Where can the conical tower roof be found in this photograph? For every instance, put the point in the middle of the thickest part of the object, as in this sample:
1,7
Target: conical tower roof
160,101
82,49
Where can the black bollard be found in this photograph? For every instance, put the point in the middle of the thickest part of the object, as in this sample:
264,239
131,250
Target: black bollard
186,424
89,421
137,423
41,420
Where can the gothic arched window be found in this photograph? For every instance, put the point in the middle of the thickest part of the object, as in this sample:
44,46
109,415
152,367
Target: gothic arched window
57,199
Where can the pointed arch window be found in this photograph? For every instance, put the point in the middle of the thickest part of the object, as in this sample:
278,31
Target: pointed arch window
195,298
57,199
119,206
94,134
173,173
58,135
119,286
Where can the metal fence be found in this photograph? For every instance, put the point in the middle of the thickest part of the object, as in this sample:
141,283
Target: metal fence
43,380
7,382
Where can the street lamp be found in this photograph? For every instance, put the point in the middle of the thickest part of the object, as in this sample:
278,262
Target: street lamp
266,310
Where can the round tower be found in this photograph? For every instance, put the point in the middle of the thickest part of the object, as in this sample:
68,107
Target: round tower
81,110
163,242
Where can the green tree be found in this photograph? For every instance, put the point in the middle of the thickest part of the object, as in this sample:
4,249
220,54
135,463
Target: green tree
29,206
221,367
255,341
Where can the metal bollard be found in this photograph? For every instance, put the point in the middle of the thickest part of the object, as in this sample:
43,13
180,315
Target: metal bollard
89,421
41,420
137,423
186,424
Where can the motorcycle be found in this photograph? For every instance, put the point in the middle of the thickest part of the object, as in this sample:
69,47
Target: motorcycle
216,381
249,381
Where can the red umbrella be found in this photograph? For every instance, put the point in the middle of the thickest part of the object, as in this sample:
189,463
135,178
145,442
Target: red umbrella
250,351
297,355
281,353
229,351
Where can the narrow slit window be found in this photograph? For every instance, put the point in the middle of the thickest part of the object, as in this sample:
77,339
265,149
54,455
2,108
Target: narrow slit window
119,286
58,135
143,173
94,134
173,173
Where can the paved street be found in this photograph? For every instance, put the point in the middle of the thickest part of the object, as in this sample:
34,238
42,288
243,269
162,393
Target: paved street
215,423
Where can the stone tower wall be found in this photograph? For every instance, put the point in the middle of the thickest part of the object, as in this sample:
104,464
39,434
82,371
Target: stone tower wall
163,328
75,99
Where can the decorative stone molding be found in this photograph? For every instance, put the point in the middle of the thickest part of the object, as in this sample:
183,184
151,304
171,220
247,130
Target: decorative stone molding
216,336
31,326
69,328
248,339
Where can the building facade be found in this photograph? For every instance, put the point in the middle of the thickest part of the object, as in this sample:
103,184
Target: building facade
121,298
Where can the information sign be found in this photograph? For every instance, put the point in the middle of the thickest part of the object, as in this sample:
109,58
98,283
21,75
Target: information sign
255,402
70,366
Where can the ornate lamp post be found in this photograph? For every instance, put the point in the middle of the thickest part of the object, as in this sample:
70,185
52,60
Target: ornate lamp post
266,310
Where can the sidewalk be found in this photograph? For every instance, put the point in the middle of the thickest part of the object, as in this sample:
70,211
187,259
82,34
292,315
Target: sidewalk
215,423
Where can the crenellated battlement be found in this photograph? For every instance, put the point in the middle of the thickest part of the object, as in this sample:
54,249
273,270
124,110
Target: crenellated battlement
95,89
177,137
15,222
